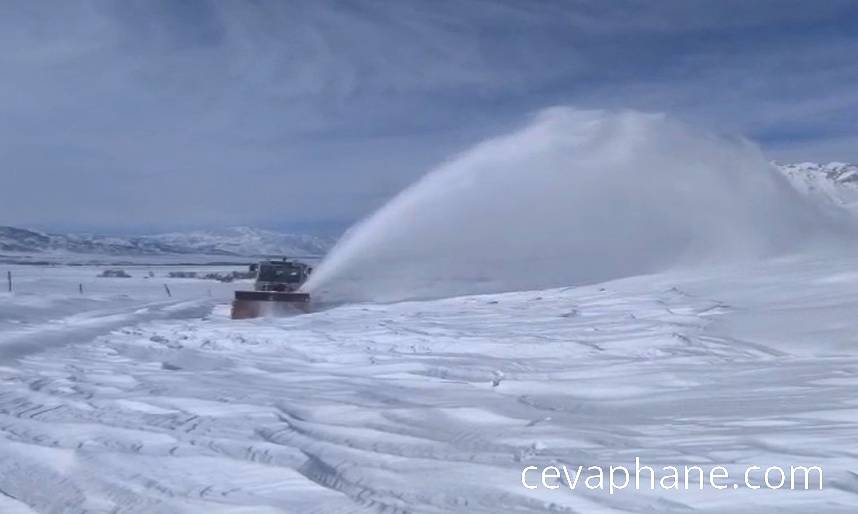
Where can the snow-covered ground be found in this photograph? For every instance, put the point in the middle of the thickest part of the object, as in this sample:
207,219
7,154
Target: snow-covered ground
57,305
436,406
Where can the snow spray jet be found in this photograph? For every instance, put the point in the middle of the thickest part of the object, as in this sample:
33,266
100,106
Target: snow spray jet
574,197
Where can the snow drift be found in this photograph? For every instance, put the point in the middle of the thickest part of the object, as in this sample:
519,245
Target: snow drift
574,197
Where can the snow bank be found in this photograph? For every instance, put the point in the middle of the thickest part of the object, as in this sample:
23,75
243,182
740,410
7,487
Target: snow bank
574,197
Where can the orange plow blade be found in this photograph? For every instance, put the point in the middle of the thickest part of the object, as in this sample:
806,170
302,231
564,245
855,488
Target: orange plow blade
255,304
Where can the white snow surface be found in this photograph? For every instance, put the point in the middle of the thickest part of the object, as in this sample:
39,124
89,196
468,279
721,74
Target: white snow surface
434,406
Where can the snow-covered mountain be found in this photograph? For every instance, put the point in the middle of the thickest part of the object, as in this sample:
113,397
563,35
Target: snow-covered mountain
235,241
833,183
245,241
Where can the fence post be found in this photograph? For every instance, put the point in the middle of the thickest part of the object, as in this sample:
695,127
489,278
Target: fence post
9,279
168,291
80,288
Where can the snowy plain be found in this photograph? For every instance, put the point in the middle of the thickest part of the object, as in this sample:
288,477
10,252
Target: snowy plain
154,404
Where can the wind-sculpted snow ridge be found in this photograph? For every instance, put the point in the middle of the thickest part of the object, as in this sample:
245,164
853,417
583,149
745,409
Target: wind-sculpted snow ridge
575,197
436,406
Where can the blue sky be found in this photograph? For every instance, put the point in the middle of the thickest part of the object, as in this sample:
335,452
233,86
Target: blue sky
306,115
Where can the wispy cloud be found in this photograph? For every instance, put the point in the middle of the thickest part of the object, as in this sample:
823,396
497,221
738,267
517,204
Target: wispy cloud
162,114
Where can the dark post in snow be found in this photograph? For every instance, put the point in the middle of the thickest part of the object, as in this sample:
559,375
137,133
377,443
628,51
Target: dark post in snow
9,279
168,291
80,288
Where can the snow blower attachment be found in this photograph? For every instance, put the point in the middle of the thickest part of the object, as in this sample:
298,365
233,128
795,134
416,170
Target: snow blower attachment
275,290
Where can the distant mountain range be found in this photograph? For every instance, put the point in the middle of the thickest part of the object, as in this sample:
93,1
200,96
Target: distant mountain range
230,242
835,183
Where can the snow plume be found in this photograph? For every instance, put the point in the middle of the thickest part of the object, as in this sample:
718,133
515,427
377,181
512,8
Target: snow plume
574,197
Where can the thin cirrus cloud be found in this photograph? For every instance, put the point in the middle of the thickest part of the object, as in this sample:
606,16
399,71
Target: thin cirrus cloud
160,115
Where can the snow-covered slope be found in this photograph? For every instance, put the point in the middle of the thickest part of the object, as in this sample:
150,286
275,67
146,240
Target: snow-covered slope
438,406
236,241
835,183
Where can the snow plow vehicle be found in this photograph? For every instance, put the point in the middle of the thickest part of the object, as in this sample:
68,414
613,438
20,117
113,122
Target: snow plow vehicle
276,290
